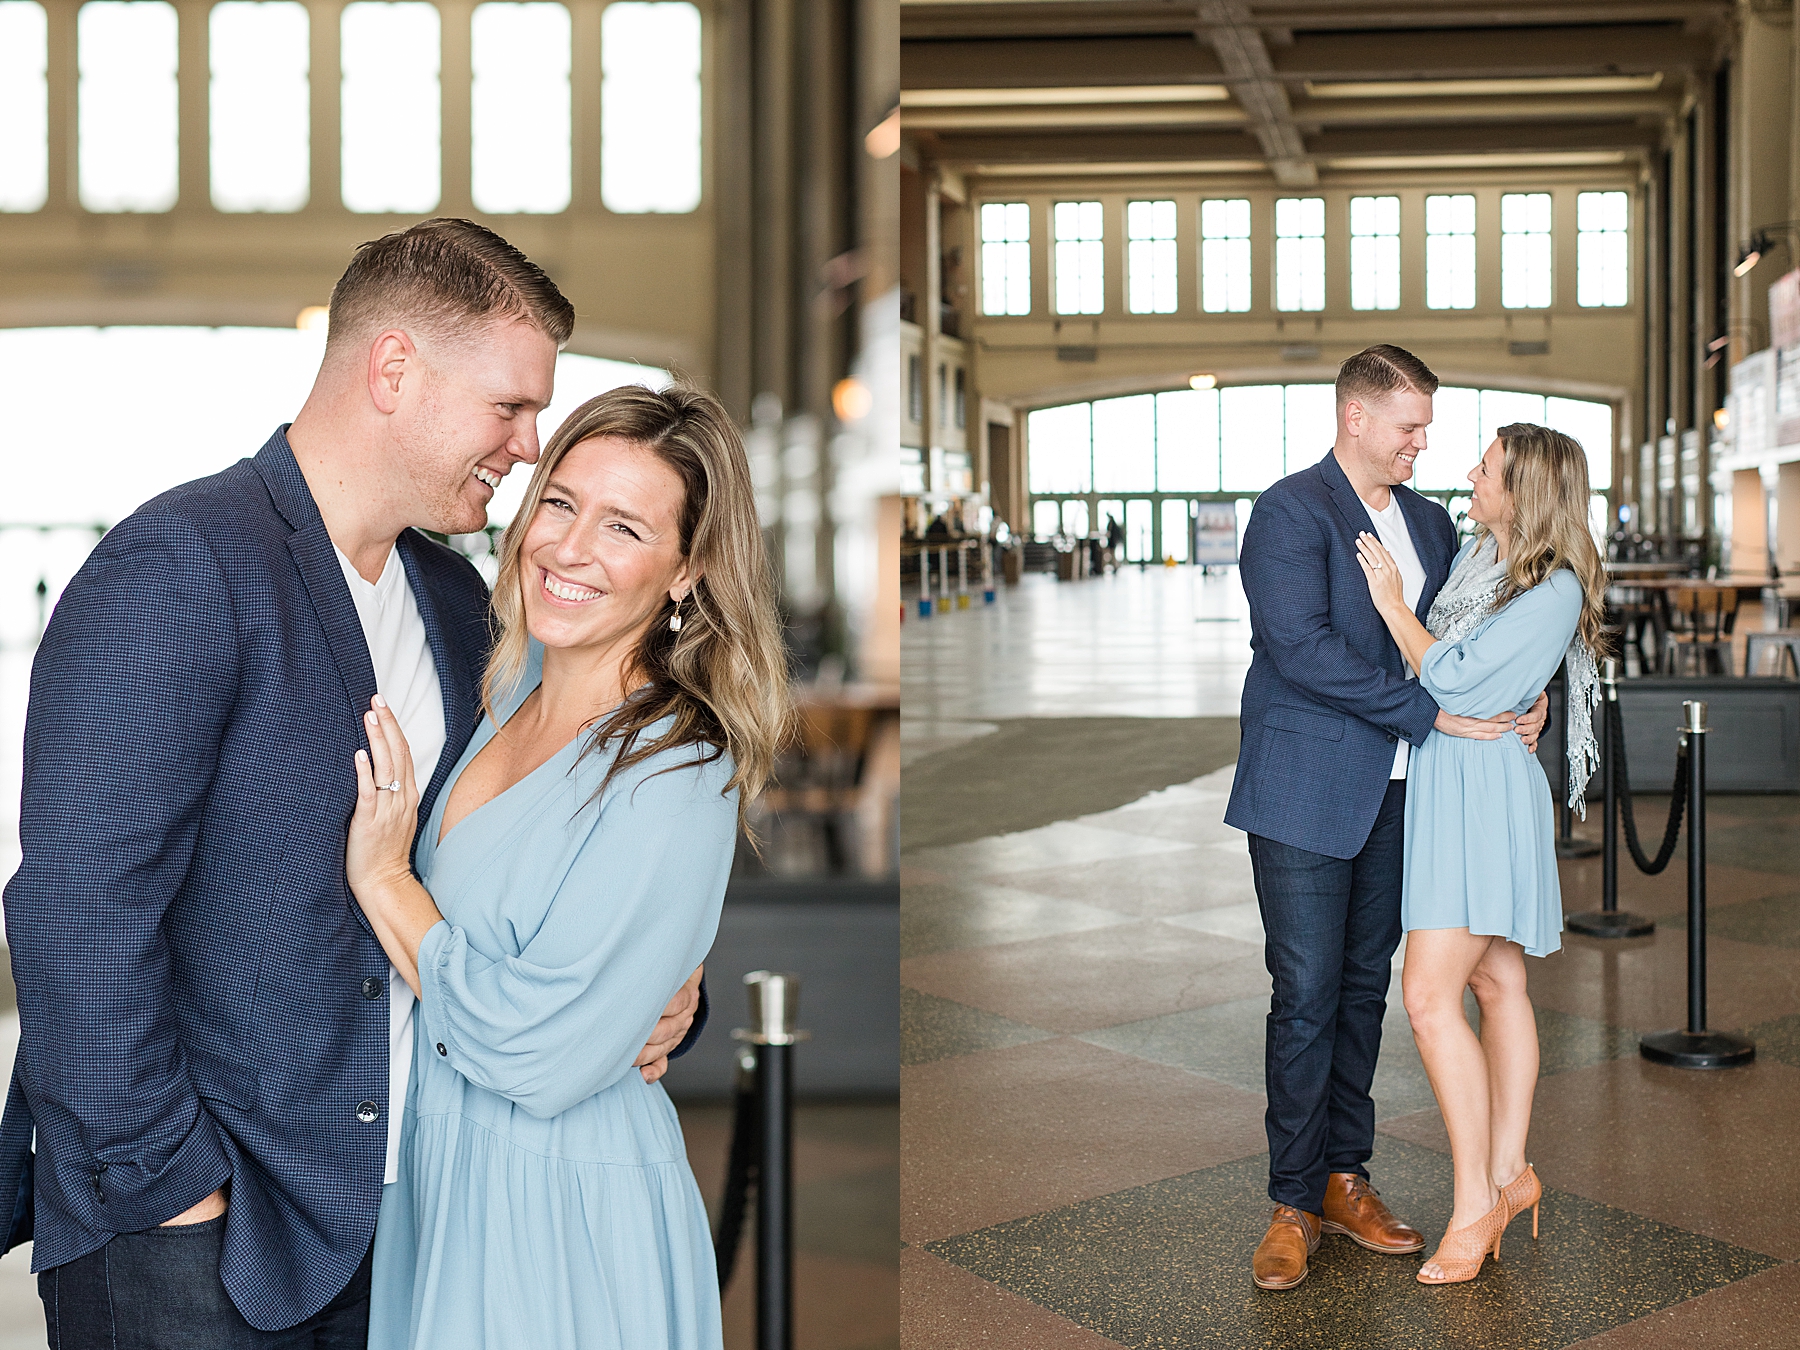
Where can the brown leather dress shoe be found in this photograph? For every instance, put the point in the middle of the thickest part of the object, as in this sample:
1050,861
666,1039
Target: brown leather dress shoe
1354,1209
1280,1261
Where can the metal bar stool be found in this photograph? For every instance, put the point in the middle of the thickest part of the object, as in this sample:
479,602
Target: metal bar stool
1784,646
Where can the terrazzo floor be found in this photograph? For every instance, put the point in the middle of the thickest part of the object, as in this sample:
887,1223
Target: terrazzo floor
1083,1163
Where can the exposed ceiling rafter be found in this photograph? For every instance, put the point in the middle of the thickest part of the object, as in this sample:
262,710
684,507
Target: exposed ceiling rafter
1244,57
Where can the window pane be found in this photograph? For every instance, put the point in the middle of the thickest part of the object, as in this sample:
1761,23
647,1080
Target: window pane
1138,546
1374,253
1300,253
1601,254
1251,436
1453,441
1187,441
1080,287
1225,256
1311,416
1046,519
650,107
24,106
1175,529
1125,444
391,106
519,108
1006,258
260,105
1500,407
1450,251
1058,447
1108,507
127,125
1075,518
1525,253
1591,424
1150,264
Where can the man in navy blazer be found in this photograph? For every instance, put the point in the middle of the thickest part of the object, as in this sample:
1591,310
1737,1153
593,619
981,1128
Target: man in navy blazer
1327,717
204,1012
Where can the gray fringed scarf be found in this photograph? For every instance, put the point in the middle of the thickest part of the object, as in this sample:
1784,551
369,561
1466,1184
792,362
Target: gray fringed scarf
1468,598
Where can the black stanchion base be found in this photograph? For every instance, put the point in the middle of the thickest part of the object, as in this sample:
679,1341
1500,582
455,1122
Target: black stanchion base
1697,1050
1577,848
1619,924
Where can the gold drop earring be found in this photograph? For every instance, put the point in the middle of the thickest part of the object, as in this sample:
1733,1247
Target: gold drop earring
675,618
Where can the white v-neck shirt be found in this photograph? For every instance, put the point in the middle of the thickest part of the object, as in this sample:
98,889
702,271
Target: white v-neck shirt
1390,528
406,676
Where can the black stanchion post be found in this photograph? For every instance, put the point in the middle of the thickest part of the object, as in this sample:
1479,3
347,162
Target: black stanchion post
1696,1047
774,1000
1608,921
1567,845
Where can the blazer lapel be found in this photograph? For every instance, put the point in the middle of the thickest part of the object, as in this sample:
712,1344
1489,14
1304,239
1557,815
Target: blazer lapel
317,561
1428,544
455,669
1343,496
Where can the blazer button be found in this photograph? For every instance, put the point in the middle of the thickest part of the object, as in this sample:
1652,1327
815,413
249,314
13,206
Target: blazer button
368,1113
1391,740
374,987
441,1050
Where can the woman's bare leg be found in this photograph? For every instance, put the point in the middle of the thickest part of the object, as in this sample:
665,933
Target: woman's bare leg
1509,1041
1439,964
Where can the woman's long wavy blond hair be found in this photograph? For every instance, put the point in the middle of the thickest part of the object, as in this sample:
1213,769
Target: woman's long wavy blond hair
1546,474
723,678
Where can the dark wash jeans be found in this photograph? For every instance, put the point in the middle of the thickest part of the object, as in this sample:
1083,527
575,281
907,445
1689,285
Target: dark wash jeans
1332,926
161,1290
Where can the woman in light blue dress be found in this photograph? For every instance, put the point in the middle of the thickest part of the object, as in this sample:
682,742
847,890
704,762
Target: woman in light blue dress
1480,887
570,876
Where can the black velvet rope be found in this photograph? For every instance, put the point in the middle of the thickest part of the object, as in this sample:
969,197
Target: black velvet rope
1615,727
740,1181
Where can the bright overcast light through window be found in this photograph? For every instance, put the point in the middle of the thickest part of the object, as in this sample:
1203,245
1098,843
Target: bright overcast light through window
24,103
391,106
650,107
127,56
520,105
260,105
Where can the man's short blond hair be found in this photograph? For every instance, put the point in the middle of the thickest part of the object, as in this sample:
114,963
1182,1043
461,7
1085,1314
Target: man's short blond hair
1375,372
440,279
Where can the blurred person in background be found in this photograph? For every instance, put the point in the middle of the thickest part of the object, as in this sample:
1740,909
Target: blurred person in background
214,1047
573,872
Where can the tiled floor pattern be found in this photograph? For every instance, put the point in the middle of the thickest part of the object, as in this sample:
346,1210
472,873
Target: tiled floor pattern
1083,1159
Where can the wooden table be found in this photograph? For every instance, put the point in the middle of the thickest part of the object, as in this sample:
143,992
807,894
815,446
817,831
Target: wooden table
1648,569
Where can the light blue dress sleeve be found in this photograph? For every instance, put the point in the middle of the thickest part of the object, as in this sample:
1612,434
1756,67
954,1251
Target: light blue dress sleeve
1506,662
631,917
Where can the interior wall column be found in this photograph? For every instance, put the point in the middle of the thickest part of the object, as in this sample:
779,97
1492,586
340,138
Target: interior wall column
1762,133
933,320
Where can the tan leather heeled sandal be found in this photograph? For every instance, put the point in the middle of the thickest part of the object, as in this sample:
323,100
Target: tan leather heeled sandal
1463,1250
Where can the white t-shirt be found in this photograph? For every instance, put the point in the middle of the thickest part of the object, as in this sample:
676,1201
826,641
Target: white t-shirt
406,676
1390,527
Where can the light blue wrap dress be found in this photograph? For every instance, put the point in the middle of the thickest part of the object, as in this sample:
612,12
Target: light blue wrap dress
544,1196
1480,826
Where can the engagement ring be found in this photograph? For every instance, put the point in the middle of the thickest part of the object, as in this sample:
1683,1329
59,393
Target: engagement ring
388,787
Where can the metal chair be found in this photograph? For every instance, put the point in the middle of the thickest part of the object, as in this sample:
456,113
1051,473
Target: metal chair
1784,646
1709,614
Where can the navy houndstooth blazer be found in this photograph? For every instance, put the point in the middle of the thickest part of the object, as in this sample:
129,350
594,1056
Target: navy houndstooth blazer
190,964
1326,697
